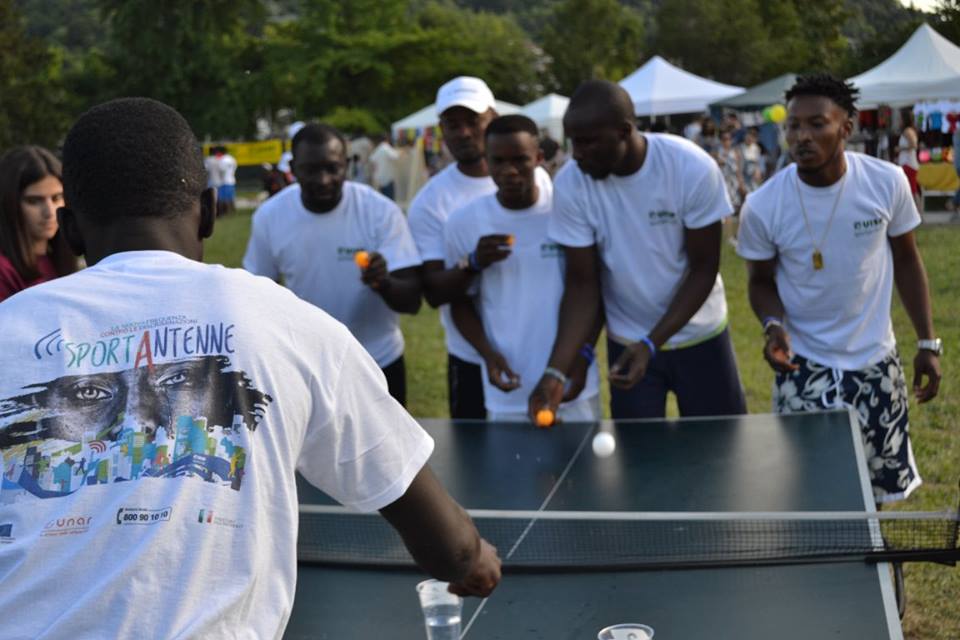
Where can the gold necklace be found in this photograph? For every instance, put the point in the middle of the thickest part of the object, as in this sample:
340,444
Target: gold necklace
817,254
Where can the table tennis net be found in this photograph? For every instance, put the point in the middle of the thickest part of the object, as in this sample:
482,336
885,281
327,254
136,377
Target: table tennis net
578,541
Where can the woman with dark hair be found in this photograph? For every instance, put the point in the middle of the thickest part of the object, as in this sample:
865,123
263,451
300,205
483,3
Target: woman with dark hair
31,250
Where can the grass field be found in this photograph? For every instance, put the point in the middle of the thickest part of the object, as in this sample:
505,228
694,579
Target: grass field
933,610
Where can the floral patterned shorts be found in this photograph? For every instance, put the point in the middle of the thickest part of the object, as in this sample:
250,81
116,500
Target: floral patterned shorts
878,394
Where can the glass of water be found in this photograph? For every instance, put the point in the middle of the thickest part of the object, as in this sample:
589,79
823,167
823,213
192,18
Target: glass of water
626,632
441,610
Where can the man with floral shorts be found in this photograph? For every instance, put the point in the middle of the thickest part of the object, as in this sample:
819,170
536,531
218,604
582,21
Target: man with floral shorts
825,240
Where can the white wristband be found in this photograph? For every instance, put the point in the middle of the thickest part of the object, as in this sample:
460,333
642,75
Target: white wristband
555,373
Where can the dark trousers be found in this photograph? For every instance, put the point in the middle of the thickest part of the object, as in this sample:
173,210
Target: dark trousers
396,373
465,389
704,378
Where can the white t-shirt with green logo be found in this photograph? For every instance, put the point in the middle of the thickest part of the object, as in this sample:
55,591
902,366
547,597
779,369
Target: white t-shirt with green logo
151,421
442,195
637,223
314,254
518,298
839,315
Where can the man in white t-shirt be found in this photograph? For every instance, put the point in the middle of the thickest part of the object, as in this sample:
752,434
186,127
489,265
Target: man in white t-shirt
384,160
227,191
511,318
212,165
153,411
639,218
310,234
825,239
287,156
465,106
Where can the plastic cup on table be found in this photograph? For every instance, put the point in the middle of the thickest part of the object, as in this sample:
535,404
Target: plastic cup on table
629,631
441,610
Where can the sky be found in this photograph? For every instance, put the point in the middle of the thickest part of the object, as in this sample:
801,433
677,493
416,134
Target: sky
926,5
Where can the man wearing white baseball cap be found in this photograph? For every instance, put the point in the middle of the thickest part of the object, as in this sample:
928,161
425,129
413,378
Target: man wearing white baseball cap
465,106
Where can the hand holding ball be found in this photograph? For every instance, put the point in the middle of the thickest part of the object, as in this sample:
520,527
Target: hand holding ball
545,418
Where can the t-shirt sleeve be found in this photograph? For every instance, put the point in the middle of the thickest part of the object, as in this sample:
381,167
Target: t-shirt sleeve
569,225
361,447
754,241
707,200
426,225
904,216
258,258
394,240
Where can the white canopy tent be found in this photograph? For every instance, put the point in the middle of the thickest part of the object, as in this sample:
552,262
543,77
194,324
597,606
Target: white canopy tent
548,112
427,117
658,88
926,66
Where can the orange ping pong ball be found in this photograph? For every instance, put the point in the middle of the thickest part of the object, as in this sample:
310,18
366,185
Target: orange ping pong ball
362,258
545,418
510,241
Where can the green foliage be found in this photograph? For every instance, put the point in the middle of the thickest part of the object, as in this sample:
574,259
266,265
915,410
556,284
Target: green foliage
388,58
592,39
32,97
225,63
187,53
759,40
354,121
689,29
948,20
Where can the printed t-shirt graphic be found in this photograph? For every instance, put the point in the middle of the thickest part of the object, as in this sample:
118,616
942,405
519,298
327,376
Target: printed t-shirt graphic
161,417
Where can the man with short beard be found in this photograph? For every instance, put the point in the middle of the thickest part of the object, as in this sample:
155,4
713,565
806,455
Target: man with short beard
825,240
465,106
310,233
639,218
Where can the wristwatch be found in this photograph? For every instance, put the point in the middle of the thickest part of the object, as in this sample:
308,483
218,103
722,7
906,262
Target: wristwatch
935,345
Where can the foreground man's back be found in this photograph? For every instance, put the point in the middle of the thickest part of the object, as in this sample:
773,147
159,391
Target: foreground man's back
153,411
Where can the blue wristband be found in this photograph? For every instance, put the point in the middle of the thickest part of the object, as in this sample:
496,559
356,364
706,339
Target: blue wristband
588,353
647,341
771,321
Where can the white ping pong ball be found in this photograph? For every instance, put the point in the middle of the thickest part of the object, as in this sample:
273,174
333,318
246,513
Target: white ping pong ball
604,445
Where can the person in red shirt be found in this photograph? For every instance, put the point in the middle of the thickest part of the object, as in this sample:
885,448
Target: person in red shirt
31,249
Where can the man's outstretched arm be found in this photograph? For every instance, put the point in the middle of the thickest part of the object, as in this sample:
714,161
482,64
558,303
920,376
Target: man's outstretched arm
442,538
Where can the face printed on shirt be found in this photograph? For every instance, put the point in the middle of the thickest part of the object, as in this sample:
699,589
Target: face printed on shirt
188,407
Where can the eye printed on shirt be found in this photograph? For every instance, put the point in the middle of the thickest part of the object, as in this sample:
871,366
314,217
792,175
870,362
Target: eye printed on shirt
189,417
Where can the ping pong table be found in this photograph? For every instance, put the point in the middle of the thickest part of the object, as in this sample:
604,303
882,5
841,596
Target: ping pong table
755,463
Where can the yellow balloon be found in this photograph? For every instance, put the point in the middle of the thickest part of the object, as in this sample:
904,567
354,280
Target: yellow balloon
778,113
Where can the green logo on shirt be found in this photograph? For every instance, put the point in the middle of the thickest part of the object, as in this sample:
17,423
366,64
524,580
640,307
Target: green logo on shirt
345,254
550,250
864,227
658,218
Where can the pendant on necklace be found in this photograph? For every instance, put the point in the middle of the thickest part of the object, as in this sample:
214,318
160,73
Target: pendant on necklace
817,260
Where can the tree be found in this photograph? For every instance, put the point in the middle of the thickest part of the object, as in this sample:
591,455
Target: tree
388,57
32,97
189,54
692,32
948,20
592,39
